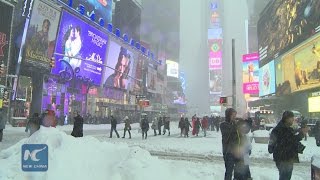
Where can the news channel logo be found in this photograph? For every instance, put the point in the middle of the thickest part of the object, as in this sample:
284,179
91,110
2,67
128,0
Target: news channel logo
34,157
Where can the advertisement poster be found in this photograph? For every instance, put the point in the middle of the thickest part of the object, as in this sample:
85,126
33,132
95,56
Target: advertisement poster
299,69
215,53
172,69
151,80
313,104
83,49
5,19
42,32
101,8
136,85
285,24
267,79
215,81
120,62
250,73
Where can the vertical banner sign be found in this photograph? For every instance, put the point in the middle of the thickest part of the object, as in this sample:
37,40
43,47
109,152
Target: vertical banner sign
5,27
41,36
250,73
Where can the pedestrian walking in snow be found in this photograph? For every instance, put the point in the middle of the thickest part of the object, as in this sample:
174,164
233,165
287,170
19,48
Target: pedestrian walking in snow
205,125
316,132
166,125
194,119
154,126
160,123
127,127
114,126
77,125
217,122
229,141
186,127
242,152
285,145
144,127
197,126
181,126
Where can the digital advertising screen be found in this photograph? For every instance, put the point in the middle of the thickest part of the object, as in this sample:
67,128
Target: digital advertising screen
152,79
299,69
267,79
120,64
101,8
82,48
42,32
285,24
250,73
215,81
137,73
314,104
172,69
179,98
215,53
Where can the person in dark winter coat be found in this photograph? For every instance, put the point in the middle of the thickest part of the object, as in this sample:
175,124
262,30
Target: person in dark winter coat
316,132
186,127
154,126
127,127
160,123
285,145
181,126
2,123
77,126
166,125
197,126
229,141
114,126
145,127
304,124
33,124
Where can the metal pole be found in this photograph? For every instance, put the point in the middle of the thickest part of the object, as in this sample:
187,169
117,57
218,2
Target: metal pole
233,76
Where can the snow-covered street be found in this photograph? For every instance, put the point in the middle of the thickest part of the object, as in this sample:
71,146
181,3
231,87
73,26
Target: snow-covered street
194,157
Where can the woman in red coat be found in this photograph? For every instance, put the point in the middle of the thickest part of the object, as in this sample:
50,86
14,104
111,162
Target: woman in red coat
205,125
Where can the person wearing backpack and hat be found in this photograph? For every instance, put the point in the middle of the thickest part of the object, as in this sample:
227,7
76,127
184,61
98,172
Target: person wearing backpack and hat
127,127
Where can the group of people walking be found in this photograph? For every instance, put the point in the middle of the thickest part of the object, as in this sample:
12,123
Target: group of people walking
196,125
284,144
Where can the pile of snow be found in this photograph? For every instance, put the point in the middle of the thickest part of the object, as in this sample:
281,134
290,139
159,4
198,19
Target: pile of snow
316,161
261,133
85,158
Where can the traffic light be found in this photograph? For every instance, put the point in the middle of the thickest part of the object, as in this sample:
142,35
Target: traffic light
2,69
223,100
52,62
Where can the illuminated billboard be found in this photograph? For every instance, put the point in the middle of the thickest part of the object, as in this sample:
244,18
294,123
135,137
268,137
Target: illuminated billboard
250,73
215,53
267,79
172,69
299,69
285,24
313,104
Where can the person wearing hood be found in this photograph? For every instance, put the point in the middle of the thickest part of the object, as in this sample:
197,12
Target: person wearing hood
77,125
229,141
154,126
285,145
127,127
181,126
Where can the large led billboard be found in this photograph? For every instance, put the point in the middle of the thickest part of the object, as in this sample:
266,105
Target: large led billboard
215,81
267,79
299,69
215,53
172,69
314,104
250,73
120,63
42,32
101,8
80,48
285,24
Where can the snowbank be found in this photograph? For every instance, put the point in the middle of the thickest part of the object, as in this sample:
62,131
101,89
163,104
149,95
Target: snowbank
261,133
85,158
316,161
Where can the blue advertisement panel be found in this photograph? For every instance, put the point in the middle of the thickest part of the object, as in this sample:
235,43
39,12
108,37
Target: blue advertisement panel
120,62
101,8
83,49
267,80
